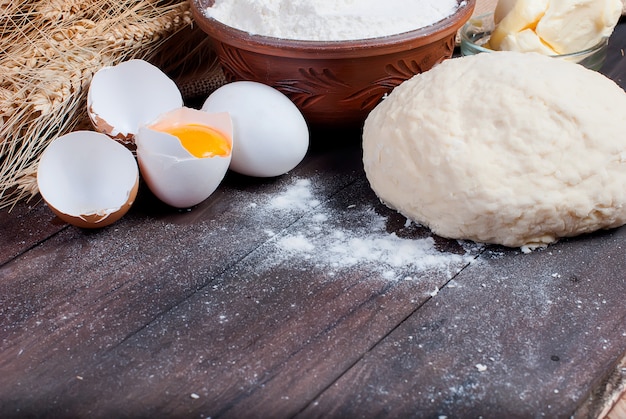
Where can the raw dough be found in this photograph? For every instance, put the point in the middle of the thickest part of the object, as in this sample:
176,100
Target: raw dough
510,148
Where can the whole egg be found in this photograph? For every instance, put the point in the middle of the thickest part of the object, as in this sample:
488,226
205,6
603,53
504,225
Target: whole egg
270,134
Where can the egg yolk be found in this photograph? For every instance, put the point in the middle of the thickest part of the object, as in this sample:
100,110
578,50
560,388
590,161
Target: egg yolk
201,141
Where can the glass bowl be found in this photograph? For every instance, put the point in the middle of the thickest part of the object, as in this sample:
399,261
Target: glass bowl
477,30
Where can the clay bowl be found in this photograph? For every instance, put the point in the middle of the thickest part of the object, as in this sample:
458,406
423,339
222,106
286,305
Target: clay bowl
334,83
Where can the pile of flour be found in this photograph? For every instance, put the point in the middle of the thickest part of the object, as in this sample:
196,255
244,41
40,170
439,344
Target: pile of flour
330,20
322,240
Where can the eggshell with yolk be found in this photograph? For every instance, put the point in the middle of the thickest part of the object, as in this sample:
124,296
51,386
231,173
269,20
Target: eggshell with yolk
171,172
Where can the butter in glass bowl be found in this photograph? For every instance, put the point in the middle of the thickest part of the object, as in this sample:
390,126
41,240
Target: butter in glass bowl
476,34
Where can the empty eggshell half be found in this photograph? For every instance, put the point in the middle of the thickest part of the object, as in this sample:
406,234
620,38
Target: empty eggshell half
123,97
87,179
171,171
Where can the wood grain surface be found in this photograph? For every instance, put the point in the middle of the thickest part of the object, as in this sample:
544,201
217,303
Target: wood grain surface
199,313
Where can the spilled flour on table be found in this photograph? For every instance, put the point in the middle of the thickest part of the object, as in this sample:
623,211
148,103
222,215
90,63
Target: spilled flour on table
355,236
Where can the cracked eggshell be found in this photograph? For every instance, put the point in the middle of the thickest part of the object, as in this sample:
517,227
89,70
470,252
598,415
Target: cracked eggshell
87,179
172,173
123,97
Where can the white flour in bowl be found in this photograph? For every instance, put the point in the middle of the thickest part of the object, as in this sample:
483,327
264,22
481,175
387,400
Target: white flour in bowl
330,20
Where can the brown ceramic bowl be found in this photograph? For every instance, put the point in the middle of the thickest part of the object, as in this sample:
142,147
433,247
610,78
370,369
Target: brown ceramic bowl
335,83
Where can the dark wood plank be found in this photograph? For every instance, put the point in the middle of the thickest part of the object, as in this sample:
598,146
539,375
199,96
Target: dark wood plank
239,328
615,66
25,225
513,336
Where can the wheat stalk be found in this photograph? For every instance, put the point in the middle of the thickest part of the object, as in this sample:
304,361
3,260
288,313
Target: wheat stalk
49,51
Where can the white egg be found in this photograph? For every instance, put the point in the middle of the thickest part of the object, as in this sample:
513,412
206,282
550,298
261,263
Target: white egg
123,97
271,136
184,155
88,179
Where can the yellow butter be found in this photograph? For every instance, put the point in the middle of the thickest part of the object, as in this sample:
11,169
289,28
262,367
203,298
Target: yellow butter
528,41
553,26
525,14
570,26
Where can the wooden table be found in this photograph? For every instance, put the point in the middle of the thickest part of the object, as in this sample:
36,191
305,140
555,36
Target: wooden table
242,307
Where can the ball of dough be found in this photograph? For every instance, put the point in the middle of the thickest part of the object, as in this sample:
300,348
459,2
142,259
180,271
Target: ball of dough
509,148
